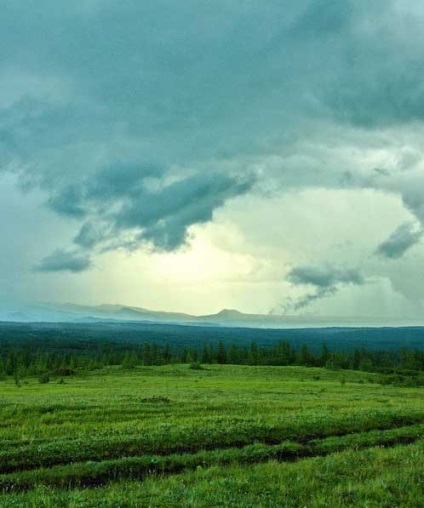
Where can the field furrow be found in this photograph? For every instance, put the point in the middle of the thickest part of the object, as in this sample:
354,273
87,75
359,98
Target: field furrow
93,474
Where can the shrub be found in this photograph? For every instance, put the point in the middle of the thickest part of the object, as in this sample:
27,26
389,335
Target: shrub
157,399
43,378
63,372
196,366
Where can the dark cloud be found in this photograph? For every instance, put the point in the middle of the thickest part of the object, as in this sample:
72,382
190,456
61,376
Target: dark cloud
324,276
136,210
323,19
325,280
400,241
63,261
291,304
381,171
376,82
137,125
92,233
370,105
67,201
412,194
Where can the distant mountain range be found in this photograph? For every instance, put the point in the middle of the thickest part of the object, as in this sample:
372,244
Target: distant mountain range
227,317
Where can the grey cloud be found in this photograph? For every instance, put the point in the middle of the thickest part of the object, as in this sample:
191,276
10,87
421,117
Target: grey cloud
400,241
323,19
324,276
65,261
381,171
181,91
408,184
325,280
102,190
408,158
121,179
304,301
204,192
160,215
205,88
91,234
370,106
129,203
244,82
189,202
413,196
67,201
378,83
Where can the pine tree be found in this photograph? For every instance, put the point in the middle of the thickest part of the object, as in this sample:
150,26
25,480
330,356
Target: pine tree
305,356
221,355
325,355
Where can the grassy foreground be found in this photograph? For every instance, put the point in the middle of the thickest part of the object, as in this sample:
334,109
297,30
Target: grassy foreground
221,436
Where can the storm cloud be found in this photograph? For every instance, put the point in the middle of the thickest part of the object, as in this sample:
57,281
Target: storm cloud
89,119
155,211
325,280
138,125
400,241
63,261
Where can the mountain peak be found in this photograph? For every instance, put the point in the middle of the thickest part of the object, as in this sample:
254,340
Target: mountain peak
229,313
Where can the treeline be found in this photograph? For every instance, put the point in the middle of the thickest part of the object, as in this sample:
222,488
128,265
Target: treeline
22,360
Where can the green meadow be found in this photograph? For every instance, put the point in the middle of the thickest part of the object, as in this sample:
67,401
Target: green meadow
221,435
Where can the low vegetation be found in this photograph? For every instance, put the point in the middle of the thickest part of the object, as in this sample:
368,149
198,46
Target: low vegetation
220,435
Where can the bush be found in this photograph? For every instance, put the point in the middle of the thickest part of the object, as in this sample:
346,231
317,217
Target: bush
63,372
157,399
43,378
195,366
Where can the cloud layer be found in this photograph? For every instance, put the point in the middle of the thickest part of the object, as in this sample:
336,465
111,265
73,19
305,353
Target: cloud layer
62,261
401,240
138,122
324,280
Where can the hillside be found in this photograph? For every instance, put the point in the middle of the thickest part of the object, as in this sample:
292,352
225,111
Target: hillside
69,312
178,335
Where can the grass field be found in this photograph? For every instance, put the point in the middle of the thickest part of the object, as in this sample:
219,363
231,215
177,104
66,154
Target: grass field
222,436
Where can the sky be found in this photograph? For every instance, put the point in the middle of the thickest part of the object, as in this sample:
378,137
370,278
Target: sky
189,155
